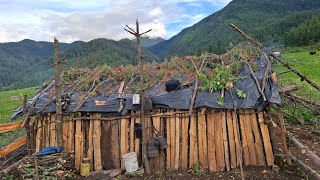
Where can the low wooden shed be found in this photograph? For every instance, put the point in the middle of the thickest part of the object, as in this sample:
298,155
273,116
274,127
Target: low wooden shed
228,124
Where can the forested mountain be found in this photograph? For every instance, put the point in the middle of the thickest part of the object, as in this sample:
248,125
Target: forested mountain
294,22
148,41
26,63
105,51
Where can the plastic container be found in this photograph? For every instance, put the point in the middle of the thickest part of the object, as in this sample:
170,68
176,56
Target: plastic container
85,167
130,162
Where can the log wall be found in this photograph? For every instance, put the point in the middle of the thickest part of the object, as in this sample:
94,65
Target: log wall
218,139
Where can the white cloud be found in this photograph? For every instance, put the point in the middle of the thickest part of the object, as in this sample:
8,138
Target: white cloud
86,20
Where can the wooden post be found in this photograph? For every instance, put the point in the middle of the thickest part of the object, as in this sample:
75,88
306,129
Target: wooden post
144,130
57,78
24,107
283,135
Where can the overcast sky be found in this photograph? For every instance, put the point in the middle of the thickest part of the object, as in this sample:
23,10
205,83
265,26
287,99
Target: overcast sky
71,20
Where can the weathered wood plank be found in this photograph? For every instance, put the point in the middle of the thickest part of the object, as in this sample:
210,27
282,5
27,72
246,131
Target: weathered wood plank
97,143
184,142
244,137
90,143
65,128
10,126
266,140
137,142
202,138
177,143
236,132
173,141
252,150
123,139
71,138
53,141
168,149
13,146
156,125
39,135
233,156
211,142
193,156
225,140
217,117
110,145
257,137
78,144
131,135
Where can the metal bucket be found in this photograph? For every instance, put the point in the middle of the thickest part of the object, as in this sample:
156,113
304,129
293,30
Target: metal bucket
136,99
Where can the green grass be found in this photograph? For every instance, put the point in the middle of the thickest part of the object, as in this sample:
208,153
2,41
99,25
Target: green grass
307,65
7,106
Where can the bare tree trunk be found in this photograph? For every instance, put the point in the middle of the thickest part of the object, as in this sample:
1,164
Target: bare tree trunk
57,73
144,130
24,107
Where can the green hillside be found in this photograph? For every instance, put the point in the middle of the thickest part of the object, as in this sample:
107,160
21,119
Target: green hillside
105,51
26,63
268,21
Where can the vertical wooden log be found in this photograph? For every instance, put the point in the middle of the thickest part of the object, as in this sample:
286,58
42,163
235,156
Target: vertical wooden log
46,129
193,142
90,143
283,136
97,143
65,130
168,149
123,139
177,140
156,125
225,141
132,139
39,135
217,117
202,138
233,156
137,143
236,132
252,150
266,139
173,141
258,143
49,129
53,141
58,89
71,138
211,142
184,141
78,143
28,128
244,136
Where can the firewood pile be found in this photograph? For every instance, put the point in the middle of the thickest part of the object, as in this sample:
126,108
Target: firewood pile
54,166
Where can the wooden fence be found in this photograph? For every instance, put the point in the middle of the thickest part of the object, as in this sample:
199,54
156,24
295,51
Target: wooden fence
214,138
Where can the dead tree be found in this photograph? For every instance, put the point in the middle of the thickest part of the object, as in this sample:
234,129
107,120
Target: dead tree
137,34
57,77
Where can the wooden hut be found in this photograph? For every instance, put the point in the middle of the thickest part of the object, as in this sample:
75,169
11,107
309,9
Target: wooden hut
228,124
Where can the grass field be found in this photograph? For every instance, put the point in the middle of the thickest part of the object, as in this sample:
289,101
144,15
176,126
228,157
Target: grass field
7,106
307,65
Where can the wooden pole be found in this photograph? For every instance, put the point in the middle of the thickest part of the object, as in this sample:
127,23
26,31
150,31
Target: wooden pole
57,77
25,111
143,126
305,149
283,135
